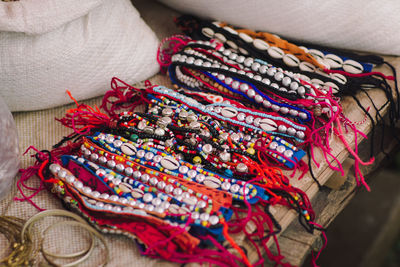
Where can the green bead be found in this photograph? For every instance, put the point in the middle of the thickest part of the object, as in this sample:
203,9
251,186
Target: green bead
134,137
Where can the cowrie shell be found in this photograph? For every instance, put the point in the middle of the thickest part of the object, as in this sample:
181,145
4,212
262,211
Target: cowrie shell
128,149
352,66
229,112
291,60
317,82
232,44
306,66
339,78
183,210
173,208
245,37
169,163
268,125
316,53
260,44
243,51
305,49
229,29
190,200
275,52
335,88
207,32
333,61
124,187
137,193
220,37
212,182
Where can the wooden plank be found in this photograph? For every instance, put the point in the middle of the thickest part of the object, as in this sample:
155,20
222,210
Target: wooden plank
296,243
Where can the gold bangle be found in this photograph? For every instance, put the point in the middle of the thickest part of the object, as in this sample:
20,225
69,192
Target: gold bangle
86,251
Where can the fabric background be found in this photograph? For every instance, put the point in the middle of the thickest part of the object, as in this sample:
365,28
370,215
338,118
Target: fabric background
363,25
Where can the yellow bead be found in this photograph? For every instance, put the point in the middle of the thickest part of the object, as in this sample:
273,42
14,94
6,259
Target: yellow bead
251,151
197,160
204,223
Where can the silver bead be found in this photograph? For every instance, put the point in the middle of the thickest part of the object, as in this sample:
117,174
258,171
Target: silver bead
244,87
183,169
241,167
147,197
235,137
192,173
169,188
255,66
251,93
201,204
159,131
240,59
111,164
128,171
235,188
235,85
241,116
248,62
207,148
273,145
140,154
204,216
288,153
153,181
258,98
137,174
78,184
113,198
117,143
225,186
286,81
157,158
282,128
102,160
249,119
263,69
303,115
284,110
301,90
275,108
225,156
300,134
281,149
120,167
145,177
266,81
266,104
200,178
294,85
291,131
257,78
177,191
54,168
213,220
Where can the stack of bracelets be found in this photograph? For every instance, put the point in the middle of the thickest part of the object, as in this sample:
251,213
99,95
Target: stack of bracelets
204,160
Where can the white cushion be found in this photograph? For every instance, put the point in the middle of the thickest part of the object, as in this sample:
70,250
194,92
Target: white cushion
363,25
43,52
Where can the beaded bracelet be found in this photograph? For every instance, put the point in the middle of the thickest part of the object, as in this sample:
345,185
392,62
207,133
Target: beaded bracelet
139,174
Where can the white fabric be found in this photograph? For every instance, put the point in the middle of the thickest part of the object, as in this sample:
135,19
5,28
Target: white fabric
364,25
44,52
9,151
